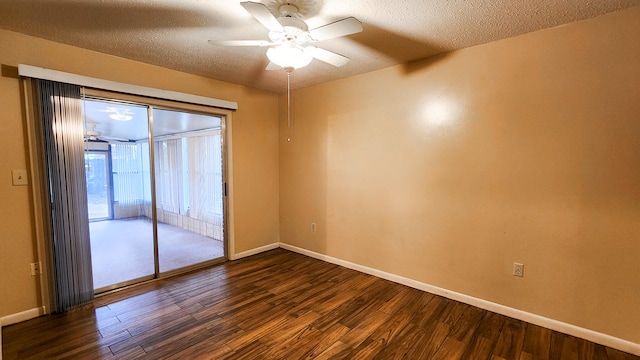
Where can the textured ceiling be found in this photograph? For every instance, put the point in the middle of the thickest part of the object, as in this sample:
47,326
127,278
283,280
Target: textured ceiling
174,33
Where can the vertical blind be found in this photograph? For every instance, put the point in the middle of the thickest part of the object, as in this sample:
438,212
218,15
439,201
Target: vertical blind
189,176
128,187
205,180
168,168
62,130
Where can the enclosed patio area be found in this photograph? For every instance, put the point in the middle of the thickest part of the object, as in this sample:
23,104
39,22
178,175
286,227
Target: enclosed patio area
122,250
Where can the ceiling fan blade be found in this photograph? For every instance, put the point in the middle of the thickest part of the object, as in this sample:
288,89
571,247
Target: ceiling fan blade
261,13
273,66
113,138
327,56
241,43
336,29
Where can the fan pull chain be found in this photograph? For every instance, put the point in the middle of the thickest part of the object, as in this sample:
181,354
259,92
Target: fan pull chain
289,71
289,99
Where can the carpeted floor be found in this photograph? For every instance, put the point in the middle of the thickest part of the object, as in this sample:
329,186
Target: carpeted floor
122,250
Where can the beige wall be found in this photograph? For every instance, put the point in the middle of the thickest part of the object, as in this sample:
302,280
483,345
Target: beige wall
444,171
449,170
255,152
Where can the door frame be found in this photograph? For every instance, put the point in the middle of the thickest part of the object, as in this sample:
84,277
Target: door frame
39,181
151,104
109,180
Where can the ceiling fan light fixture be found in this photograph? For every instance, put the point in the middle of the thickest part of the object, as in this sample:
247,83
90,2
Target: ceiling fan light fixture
288,56
289,34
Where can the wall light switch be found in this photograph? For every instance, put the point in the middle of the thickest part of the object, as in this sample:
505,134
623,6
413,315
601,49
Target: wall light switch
19,177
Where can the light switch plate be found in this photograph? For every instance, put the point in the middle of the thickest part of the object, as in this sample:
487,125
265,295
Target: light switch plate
19,177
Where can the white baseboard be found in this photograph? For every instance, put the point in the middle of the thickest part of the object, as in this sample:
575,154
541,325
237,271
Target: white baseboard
19,317
254,251
22,316
590,335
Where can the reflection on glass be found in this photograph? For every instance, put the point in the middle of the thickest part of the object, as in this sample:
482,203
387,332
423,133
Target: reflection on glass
188,179
122,243
187,159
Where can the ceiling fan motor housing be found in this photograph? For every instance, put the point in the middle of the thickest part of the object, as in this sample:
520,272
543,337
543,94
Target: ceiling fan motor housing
294,29
289,10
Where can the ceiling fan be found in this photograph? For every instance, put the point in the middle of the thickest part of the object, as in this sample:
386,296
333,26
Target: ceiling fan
91,134
289,36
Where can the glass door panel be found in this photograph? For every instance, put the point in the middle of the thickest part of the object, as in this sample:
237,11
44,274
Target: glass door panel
98,185
180,172
122,243
189,188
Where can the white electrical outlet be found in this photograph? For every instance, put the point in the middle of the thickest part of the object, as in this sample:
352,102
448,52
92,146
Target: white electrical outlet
518,269
35,268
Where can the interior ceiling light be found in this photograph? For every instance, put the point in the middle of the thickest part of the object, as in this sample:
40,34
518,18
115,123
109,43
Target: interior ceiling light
119,114
120,117
290,53
289,36
289,56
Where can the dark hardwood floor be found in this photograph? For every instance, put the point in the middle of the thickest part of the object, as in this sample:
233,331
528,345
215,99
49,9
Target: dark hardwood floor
282,305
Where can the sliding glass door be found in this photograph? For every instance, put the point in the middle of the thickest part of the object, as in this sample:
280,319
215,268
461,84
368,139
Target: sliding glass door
158,205
188,178
122,243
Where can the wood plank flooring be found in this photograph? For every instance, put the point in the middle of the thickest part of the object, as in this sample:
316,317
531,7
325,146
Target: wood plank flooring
282,305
